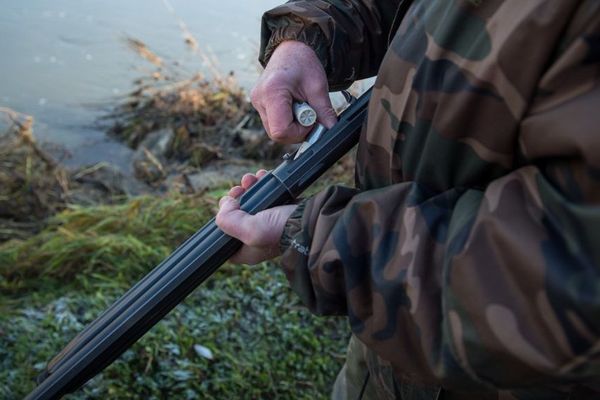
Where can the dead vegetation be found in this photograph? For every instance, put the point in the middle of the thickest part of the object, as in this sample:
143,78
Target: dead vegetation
191,134
192,121
32,185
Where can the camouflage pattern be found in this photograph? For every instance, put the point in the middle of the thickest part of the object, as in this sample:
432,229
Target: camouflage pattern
337,30
468,256
366,376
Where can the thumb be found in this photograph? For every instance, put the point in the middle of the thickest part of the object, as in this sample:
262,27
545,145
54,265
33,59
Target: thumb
230,219
282,127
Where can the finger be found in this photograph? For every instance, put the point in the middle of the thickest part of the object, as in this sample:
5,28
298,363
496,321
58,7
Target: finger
256,101
248,180
282,127
321,103
263,117
223,199
233,221
236,191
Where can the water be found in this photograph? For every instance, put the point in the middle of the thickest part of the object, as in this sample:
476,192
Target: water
62,58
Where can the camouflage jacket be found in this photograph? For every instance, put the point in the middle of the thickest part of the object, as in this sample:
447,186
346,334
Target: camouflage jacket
469,252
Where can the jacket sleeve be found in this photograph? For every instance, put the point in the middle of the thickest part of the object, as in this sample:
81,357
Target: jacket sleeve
499,286
349,37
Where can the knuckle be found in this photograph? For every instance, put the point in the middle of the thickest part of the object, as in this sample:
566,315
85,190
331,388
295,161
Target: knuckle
330,113
278,135
281,136
255,96
269,84
317,86
252,241
220,219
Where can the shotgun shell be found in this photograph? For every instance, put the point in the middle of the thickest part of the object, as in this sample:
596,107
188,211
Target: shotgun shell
304,114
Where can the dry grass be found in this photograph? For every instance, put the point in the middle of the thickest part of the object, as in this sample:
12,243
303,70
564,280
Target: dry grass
82,242
32,186
210,117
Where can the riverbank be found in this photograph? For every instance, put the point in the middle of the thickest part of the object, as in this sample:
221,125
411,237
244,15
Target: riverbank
86,235
63,59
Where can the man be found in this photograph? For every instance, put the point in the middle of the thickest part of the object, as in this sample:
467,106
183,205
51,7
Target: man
467,259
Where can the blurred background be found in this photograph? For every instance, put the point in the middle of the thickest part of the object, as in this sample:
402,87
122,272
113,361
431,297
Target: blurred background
122,122
62,59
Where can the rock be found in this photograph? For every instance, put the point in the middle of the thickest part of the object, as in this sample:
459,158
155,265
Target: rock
218,176
97,184
205,180
201,154
180,144
252,136
148,168
157,143
256,145
203,351
151,155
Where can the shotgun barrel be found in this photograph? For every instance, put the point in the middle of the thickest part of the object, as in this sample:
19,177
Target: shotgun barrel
148,301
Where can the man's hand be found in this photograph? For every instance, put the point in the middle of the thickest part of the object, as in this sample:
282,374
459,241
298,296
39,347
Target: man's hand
293,73
260,233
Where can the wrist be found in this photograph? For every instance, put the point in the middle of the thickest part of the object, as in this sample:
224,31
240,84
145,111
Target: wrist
292,226
294,46
295,53
274,33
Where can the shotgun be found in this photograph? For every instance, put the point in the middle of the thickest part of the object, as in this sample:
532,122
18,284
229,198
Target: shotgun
168,284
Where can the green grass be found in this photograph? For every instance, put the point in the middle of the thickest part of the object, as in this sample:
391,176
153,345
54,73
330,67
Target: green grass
92,243
264,344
